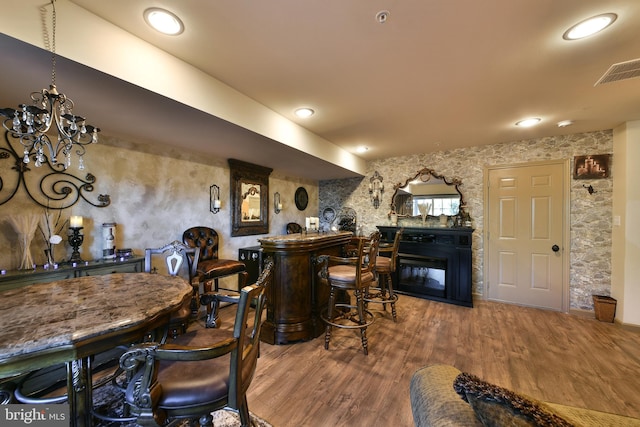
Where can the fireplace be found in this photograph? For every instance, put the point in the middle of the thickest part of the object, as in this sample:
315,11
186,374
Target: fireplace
433,263
422,275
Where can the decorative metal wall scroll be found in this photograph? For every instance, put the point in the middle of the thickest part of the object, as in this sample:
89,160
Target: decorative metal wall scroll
59,189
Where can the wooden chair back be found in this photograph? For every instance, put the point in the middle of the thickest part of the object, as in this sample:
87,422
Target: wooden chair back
176,253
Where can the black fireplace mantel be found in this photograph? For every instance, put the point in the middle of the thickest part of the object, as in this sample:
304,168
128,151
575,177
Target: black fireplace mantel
422,249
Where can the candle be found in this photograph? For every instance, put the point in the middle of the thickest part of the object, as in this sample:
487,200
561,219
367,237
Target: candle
75,221
307,222
216,204
279,206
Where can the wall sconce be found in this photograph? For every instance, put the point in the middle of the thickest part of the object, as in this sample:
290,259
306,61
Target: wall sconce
277,206
214,199
376,188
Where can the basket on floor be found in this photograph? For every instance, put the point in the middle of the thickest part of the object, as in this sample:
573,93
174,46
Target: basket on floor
605,308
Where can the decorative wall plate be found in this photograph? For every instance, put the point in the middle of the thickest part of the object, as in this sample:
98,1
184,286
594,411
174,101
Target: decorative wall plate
329,214
301,198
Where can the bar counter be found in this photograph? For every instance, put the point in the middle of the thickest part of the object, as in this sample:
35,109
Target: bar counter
295,299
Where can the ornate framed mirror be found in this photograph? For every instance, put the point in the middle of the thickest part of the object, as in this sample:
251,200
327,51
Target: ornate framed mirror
427,191
249,198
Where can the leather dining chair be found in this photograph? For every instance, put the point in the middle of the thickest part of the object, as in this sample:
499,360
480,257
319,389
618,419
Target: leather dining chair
209,267
214,298
294,228
199,373
352,273
176,256
385,267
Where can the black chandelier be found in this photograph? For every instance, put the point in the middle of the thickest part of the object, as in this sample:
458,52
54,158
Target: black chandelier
31,123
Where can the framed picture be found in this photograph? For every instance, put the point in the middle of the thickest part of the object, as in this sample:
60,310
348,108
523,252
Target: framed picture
594,166
249,198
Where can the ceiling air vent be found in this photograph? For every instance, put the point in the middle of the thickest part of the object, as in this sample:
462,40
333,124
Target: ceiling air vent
621,71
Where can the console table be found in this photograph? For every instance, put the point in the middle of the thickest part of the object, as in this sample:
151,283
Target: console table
294,299
19,278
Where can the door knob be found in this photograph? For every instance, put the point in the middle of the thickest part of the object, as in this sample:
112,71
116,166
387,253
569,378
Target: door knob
555,248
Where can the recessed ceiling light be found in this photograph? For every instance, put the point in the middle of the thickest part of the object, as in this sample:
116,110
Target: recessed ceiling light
589,26
362,149
526,123
163,21
304,112
565,123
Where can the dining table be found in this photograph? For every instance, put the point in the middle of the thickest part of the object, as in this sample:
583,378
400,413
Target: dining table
69,321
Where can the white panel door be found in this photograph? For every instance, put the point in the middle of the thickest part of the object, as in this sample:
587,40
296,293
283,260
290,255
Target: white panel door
526,220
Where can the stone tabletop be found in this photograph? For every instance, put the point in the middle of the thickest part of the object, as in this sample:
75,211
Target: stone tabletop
66,313
304,237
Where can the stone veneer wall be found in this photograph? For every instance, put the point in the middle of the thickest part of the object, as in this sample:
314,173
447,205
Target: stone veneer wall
590,251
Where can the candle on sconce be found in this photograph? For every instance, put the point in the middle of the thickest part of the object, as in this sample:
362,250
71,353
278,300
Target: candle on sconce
279,206
216,204
75,221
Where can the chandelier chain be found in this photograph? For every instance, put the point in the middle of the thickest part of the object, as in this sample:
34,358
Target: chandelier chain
53,44
50,41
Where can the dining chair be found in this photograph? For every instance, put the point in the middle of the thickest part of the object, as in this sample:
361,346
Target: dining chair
176,259
385,267
210,268
354,272
197,373
214,298
294,228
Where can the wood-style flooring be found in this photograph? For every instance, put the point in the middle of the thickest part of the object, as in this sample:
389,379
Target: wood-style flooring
551,356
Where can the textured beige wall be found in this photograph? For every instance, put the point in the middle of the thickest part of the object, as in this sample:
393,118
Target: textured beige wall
154,198
626,235
590,257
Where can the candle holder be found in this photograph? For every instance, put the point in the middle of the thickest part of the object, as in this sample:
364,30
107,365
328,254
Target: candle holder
277,206
75,240
214,199
376,188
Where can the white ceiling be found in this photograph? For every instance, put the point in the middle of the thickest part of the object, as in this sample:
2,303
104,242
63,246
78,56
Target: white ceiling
439,74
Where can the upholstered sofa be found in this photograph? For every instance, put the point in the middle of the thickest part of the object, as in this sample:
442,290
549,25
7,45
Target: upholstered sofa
437,401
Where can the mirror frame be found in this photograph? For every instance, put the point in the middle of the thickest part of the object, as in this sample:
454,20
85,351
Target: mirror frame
455,182
248,173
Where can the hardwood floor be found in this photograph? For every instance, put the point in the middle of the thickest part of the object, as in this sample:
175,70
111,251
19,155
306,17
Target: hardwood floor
551,356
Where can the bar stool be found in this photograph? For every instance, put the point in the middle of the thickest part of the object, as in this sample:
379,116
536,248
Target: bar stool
353,273
385,267
210,268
